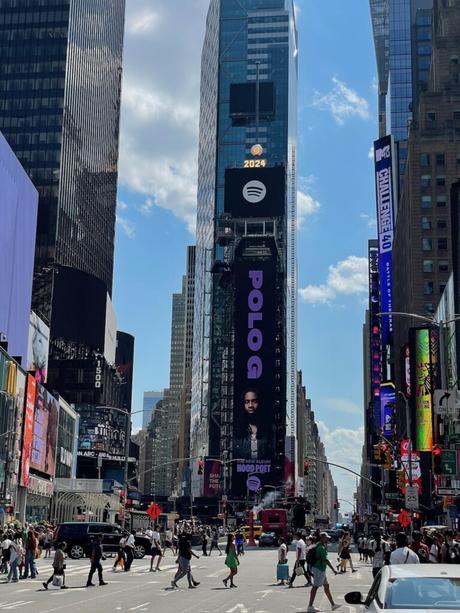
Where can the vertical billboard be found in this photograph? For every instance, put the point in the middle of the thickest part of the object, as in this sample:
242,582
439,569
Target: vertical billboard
384,186
28,430
255,389
387,408
425,342
37,354
375,334
44,440
212,477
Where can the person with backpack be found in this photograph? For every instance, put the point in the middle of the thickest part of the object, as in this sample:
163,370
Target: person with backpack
319,572
381,553
420,548
450,551
301,558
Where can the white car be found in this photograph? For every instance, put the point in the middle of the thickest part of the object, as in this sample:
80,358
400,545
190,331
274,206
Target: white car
418,588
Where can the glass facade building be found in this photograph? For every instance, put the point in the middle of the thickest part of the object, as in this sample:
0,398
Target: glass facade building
250,45
60,83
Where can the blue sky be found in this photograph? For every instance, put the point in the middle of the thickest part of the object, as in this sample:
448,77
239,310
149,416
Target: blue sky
337,124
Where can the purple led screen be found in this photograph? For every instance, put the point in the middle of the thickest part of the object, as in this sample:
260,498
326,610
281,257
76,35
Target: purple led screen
18,222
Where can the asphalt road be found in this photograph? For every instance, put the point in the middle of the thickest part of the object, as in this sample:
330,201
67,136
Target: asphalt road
141,590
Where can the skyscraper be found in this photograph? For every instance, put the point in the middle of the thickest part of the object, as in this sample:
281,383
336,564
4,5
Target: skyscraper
60,82
151,399
247,140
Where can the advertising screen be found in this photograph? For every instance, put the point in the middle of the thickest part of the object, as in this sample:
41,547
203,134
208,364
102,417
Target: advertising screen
254,388
212,477
255,192
37,354
387,407
44,440
28,430
425,374
102,432
384,184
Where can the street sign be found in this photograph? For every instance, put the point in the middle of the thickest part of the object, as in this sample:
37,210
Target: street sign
392,495
411,497
447,491
452,511
446,402
449,463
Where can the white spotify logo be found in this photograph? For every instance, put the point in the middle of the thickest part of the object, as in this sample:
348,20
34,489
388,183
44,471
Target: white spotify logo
254,192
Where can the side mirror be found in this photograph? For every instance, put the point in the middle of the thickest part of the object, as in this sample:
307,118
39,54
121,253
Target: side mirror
354,598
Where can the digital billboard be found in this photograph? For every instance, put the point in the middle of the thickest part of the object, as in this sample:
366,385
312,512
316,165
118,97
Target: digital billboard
387,407
102,432
425,341
37,354
255,192
384,185
44,440
212,477
28,430
255,387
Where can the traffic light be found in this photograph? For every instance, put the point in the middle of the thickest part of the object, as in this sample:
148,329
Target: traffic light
377,454
401,478
387,458
306,468
437,460
200,466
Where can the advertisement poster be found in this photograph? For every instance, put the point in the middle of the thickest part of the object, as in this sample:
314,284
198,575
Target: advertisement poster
387,407
415,466
37,354
255,192
102,432
46,415
212,477
28,430
255,390
423,391
383,149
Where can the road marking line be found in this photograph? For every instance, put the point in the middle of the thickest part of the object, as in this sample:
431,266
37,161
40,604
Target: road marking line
144,604
238,607
217,573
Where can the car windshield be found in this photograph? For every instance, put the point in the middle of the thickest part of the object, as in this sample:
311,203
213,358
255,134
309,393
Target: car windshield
420,593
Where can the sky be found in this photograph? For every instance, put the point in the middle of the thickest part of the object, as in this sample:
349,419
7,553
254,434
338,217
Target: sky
336,202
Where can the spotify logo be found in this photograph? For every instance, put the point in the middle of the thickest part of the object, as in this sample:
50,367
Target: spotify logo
254,192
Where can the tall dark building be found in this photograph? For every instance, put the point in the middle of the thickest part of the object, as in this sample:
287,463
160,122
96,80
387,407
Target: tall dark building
246,249
60,81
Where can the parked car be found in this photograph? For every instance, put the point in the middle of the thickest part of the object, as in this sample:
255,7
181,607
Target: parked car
412,587
268,539
80,535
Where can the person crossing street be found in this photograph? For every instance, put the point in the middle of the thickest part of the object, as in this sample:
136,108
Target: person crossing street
96,557
319,566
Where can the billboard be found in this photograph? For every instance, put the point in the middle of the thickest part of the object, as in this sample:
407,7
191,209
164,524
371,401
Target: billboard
19,205
255,388
255,192
102,432
425,341
212,477
44,440
387,408
37,354
384,185
28,430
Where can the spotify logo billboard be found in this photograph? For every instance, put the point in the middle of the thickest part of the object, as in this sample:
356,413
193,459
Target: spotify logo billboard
255,192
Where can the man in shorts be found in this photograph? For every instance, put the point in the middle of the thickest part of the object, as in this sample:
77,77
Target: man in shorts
155,550
319,573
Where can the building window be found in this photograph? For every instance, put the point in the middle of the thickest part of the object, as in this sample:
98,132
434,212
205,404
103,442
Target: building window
442,224
427,265
431,116
453,59
442,244
441,200
440,180
458,158
425,180
426,202
424,159
443,265
442,287
429,308
427,244
428,288
440,159
426,223
457,115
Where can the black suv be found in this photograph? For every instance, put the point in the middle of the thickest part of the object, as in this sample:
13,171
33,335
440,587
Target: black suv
80,535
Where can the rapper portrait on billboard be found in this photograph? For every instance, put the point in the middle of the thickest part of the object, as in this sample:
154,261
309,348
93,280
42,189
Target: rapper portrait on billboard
253,439
37,354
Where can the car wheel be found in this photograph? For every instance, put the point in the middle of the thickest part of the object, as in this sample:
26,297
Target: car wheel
76,552
139,552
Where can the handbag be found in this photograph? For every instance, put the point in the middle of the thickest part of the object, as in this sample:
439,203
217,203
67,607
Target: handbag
298,570
57,580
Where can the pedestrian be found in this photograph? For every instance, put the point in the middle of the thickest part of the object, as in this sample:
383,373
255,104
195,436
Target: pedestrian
360,547
169,542
282,568
121,556
185,555
58,567
204,543
6,552
16,552
47,542
96,556
450,551
129,549
155,550
345,555
319,565
420,548
231,561
381,551
239,542
402,554
435,547
30,555
215,542
301,557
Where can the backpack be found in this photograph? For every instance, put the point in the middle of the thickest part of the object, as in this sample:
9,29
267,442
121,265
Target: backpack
311,555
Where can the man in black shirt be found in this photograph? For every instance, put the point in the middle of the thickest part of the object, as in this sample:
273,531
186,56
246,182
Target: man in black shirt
96,557
185,555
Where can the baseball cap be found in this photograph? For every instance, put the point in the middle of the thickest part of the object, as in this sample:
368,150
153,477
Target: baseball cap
325,534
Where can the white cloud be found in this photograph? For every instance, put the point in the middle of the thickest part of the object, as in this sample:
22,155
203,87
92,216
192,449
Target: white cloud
344,447
306,207
342,102
350,276
371,221
122,206
126,226
340,405
370,153
160,104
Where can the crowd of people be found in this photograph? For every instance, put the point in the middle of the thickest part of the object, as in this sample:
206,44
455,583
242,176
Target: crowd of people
20,547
